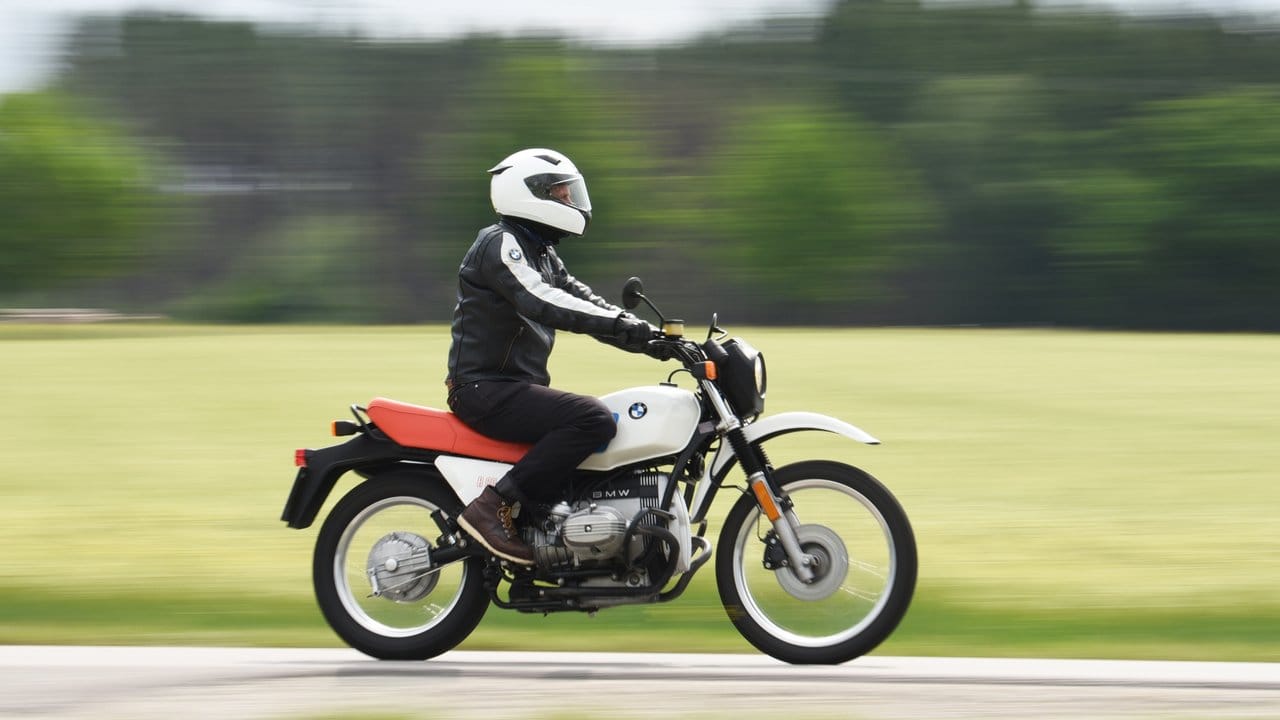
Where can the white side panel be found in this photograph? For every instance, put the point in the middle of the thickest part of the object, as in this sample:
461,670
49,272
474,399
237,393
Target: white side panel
470,477
652,421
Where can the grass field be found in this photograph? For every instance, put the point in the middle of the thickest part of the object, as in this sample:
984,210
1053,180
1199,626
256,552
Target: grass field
1074,494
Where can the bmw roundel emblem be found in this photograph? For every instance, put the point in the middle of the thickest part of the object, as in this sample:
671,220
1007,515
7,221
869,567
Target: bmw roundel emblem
514,253
638,410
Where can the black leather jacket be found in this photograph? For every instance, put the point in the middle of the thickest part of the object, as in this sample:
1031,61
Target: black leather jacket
513,294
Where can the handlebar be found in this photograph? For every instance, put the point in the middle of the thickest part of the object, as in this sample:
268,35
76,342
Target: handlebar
664,347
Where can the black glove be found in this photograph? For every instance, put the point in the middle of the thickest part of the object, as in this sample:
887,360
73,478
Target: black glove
633,333
660,350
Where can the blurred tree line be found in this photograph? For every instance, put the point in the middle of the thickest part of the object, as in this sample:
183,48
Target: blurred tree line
891,162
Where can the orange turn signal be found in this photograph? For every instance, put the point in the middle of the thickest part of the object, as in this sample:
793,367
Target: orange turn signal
765,499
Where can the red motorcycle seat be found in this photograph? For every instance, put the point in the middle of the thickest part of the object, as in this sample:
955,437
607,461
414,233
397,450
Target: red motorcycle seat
430,429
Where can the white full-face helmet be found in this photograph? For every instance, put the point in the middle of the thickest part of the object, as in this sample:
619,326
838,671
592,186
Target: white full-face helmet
543,186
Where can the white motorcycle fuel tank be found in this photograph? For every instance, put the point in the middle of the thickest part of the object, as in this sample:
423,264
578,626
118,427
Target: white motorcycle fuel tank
652,421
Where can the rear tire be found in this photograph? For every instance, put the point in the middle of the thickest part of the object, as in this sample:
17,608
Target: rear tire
432,613
860,538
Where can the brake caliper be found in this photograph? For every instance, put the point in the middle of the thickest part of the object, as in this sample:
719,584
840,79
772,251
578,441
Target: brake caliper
774,556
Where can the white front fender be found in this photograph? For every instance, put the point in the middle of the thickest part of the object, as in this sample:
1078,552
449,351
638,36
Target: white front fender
790,422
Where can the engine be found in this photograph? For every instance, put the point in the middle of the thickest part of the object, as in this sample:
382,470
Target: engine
596,533
593,529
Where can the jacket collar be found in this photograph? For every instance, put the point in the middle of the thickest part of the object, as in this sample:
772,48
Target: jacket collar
533,231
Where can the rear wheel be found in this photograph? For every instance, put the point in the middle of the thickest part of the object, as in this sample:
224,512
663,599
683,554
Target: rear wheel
373,576
862,551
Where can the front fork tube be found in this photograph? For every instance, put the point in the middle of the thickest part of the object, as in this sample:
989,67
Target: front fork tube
782,518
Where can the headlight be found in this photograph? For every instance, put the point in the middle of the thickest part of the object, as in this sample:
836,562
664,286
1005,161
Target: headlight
743,378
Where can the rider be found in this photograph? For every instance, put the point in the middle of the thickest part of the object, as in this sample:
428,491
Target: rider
513,294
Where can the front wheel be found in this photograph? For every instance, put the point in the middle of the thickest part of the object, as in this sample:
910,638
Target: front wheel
860,546
374,578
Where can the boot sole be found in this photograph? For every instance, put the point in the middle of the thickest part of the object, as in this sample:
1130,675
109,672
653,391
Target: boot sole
462,523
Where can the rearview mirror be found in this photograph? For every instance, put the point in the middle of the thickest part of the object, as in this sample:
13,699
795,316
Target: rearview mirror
632,293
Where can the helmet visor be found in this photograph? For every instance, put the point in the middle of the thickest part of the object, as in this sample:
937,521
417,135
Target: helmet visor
569,189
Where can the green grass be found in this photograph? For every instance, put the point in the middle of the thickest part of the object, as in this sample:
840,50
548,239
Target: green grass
1074,494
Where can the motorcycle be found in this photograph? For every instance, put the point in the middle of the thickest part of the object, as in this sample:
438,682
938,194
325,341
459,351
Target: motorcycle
816,560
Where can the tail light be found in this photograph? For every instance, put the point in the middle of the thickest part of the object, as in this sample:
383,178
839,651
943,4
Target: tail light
300,457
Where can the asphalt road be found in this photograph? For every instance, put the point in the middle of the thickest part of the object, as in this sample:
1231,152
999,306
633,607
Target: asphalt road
104,683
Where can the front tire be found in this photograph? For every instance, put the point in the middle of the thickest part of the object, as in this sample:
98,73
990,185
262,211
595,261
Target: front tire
374,536
865,553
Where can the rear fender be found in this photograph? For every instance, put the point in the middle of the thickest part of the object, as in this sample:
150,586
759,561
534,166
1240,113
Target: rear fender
364,453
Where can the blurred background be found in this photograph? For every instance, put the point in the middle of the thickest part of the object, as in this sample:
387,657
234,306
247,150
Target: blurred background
803,162
321,164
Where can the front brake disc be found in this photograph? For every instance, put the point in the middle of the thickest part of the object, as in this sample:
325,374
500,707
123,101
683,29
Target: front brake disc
830,564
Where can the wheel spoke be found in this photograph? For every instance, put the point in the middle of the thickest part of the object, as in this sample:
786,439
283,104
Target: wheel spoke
870,597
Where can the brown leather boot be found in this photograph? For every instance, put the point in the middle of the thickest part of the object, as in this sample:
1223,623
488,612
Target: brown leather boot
488,520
